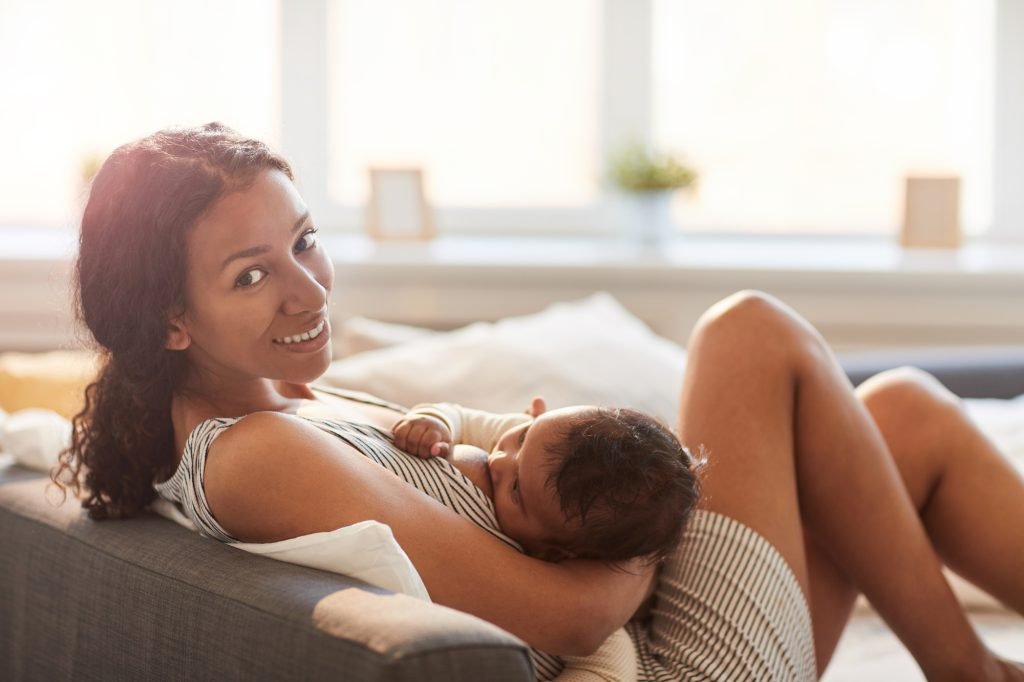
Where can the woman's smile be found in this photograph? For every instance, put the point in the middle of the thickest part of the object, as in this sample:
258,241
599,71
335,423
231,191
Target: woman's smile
306,342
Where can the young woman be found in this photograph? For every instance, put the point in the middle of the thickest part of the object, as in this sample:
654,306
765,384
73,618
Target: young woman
202,282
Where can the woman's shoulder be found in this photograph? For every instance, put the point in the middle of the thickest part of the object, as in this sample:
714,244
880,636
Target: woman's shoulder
266,476
262,443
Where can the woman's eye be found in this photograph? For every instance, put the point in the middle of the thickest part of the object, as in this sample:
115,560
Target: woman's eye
307,241
250,278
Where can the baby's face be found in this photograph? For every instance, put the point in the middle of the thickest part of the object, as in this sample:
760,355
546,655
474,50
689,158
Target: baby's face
527,508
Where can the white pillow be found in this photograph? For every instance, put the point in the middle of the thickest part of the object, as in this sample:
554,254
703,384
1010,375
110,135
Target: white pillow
359,334
34,436
591,351
365,551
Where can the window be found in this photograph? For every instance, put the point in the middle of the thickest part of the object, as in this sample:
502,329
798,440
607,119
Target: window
800,116
806,116
500,108
80,78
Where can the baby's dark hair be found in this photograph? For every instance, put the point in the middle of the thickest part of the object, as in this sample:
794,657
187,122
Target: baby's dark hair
627,481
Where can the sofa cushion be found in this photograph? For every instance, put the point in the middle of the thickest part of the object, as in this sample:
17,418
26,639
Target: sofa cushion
146,599
55,380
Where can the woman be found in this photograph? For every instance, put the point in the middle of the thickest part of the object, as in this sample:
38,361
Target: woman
201,280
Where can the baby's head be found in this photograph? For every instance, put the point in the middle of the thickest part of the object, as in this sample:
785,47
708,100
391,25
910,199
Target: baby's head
597,483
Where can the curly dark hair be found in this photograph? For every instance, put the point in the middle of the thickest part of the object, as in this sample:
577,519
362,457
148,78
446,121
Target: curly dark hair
130,271
627,481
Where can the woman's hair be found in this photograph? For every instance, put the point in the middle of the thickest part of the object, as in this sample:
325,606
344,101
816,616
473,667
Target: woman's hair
627,481
131,271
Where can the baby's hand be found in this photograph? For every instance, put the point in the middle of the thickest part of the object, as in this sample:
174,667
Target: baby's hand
422,436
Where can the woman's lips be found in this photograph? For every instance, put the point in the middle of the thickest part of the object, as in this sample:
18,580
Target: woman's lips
309,346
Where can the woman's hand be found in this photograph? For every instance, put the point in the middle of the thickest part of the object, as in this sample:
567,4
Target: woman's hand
422,436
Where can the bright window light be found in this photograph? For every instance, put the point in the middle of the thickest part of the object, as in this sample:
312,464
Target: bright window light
806,116
496,101
80,78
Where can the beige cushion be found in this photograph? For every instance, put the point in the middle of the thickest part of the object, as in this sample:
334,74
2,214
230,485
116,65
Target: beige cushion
55,380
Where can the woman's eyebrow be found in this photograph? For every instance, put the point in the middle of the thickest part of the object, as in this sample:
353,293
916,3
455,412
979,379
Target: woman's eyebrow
262,248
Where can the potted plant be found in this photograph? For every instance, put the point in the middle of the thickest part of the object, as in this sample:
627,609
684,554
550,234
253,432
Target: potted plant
649,179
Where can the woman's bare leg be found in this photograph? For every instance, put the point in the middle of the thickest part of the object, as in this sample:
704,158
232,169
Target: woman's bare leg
958,482
969,496
795,456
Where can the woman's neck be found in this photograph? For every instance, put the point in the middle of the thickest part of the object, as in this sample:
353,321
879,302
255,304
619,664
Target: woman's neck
241,398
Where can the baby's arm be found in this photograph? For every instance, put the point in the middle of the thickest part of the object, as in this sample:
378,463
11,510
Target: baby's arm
448,423
614,661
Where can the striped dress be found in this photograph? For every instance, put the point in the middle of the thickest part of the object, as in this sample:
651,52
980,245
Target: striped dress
728,607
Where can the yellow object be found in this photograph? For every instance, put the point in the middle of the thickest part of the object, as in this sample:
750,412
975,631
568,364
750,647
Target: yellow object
54,380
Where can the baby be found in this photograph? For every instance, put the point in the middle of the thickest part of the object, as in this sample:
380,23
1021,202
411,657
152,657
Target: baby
585,481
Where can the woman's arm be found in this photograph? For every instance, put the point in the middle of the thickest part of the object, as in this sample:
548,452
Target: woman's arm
615,661
272,477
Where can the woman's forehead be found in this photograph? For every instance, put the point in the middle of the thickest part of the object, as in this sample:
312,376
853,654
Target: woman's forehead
262,213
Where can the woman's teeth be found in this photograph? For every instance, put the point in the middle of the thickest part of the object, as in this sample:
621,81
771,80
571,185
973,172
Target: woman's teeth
304,336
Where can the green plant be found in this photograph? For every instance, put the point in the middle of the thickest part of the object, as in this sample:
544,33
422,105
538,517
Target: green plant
88,165
639,169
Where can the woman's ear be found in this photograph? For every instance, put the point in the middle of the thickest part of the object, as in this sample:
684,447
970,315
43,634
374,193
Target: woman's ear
177,334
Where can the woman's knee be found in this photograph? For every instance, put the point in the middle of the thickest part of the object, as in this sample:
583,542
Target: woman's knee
905,391
910,407
917,417
759,319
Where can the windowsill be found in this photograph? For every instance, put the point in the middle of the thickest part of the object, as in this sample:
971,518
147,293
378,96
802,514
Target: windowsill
686,252
861,293
747,253
792,254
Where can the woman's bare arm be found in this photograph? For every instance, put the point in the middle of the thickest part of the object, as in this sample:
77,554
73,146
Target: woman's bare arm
272,477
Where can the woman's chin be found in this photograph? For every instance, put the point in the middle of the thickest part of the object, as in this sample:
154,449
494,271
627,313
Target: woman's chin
303,362
302,369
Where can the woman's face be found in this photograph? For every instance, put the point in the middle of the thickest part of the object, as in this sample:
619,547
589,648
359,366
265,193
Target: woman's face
257,281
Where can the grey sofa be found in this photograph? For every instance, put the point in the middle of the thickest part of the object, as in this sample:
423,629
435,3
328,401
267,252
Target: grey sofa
148,600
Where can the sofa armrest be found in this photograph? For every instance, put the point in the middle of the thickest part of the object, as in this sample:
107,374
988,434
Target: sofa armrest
991,372
147,599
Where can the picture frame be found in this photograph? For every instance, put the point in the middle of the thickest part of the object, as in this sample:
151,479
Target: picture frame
931,212
398,208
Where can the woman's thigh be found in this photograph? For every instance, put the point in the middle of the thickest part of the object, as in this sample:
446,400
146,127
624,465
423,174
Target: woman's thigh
738,404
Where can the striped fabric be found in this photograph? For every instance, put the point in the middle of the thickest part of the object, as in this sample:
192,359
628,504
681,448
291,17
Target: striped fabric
436,477
728,607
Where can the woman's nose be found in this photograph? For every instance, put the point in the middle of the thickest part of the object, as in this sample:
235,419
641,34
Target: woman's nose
303,292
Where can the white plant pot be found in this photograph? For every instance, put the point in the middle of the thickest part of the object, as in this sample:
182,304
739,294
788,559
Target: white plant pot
646,217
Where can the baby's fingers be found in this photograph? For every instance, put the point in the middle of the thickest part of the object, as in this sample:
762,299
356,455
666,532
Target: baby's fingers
429,438
400,432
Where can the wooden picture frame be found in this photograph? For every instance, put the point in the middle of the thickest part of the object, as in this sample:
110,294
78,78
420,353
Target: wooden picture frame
398,207
931,212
